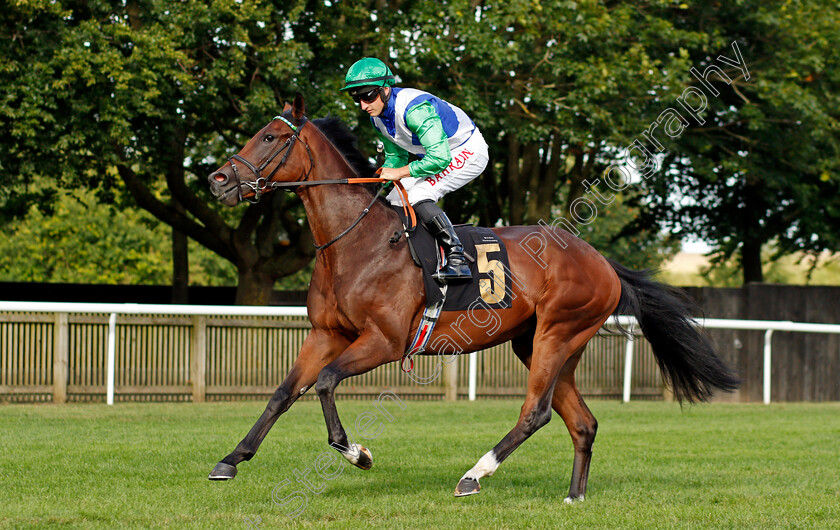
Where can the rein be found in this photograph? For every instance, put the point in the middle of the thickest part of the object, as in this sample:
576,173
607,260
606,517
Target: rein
263,184
351,227
407,208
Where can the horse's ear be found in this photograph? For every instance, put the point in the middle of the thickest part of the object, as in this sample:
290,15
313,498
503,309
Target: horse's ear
286,107
298,107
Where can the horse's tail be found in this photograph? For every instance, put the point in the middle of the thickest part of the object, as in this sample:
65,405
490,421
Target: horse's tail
685,355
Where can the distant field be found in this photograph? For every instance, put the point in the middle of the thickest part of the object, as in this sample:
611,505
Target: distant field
686,269
145,466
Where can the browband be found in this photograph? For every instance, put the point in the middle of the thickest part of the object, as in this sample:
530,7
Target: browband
287,122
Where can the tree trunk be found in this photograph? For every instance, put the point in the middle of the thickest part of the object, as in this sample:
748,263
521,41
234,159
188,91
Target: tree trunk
491,208
752,233
751,261
516,189
254,287
180,268
575,179
531,169
180,263
548,182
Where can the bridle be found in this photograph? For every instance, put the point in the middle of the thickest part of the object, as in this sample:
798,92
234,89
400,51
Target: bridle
263,184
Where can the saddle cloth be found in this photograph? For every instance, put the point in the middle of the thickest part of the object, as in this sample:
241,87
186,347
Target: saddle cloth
488,262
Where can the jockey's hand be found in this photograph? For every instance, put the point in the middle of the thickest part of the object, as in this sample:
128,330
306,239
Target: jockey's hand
393,173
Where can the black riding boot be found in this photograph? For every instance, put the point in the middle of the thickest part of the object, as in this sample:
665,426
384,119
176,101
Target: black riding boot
440,227
456,267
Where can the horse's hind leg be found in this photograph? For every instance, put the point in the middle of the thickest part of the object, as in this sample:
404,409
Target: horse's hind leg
317,351
569,404
552,348
582,426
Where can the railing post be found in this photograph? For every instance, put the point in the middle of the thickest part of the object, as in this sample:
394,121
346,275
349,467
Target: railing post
628,364
450,379
112,354
473,375
198,358
61,357
768,358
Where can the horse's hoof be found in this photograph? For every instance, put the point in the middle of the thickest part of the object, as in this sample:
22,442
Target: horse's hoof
359,456
365,460
222,471
572,500
467,486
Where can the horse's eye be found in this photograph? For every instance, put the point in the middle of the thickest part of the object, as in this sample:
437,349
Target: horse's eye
268,138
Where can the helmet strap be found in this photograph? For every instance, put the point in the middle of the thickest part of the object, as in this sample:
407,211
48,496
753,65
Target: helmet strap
385,94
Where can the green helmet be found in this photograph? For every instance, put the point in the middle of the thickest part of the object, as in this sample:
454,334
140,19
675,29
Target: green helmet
368,72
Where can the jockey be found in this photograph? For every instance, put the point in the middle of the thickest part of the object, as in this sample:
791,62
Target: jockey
450,148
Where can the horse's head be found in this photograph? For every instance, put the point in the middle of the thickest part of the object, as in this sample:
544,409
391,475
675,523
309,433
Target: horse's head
269,157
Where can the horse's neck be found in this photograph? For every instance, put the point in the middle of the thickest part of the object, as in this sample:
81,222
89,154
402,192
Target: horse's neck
347,272
333,208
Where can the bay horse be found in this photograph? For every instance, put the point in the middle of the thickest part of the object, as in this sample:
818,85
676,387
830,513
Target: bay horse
366,300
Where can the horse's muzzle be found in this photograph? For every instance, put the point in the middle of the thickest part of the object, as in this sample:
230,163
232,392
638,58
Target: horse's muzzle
222,186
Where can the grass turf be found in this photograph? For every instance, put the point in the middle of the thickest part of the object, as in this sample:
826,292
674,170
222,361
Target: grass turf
146,465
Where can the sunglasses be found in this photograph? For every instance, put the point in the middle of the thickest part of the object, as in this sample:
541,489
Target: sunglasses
368,96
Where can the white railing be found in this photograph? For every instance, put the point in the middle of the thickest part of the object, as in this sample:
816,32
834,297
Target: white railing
145,309
628,322
768,326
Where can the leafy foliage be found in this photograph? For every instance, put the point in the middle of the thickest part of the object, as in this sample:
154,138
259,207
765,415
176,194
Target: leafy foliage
84,241
763,168
153,95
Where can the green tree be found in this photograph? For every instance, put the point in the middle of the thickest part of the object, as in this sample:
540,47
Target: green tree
764,167
79,242
156,94
568,86
556,87
549,94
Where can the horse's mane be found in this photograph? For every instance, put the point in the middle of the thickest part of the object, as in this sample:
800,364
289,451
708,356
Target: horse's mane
345,141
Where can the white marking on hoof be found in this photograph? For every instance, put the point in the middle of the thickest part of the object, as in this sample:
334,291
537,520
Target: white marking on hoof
352,455
369,456
572,500
485,467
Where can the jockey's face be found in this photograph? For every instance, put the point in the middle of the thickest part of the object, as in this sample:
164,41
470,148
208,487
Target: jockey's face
375,107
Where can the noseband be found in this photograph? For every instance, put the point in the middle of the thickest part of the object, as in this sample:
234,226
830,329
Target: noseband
261,184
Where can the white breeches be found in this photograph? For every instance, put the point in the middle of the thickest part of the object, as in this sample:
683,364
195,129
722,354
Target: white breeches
468,162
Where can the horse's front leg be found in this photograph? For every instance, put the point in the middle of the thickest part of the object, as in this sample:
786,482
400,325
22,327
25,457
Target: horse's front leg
370,350
318,350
